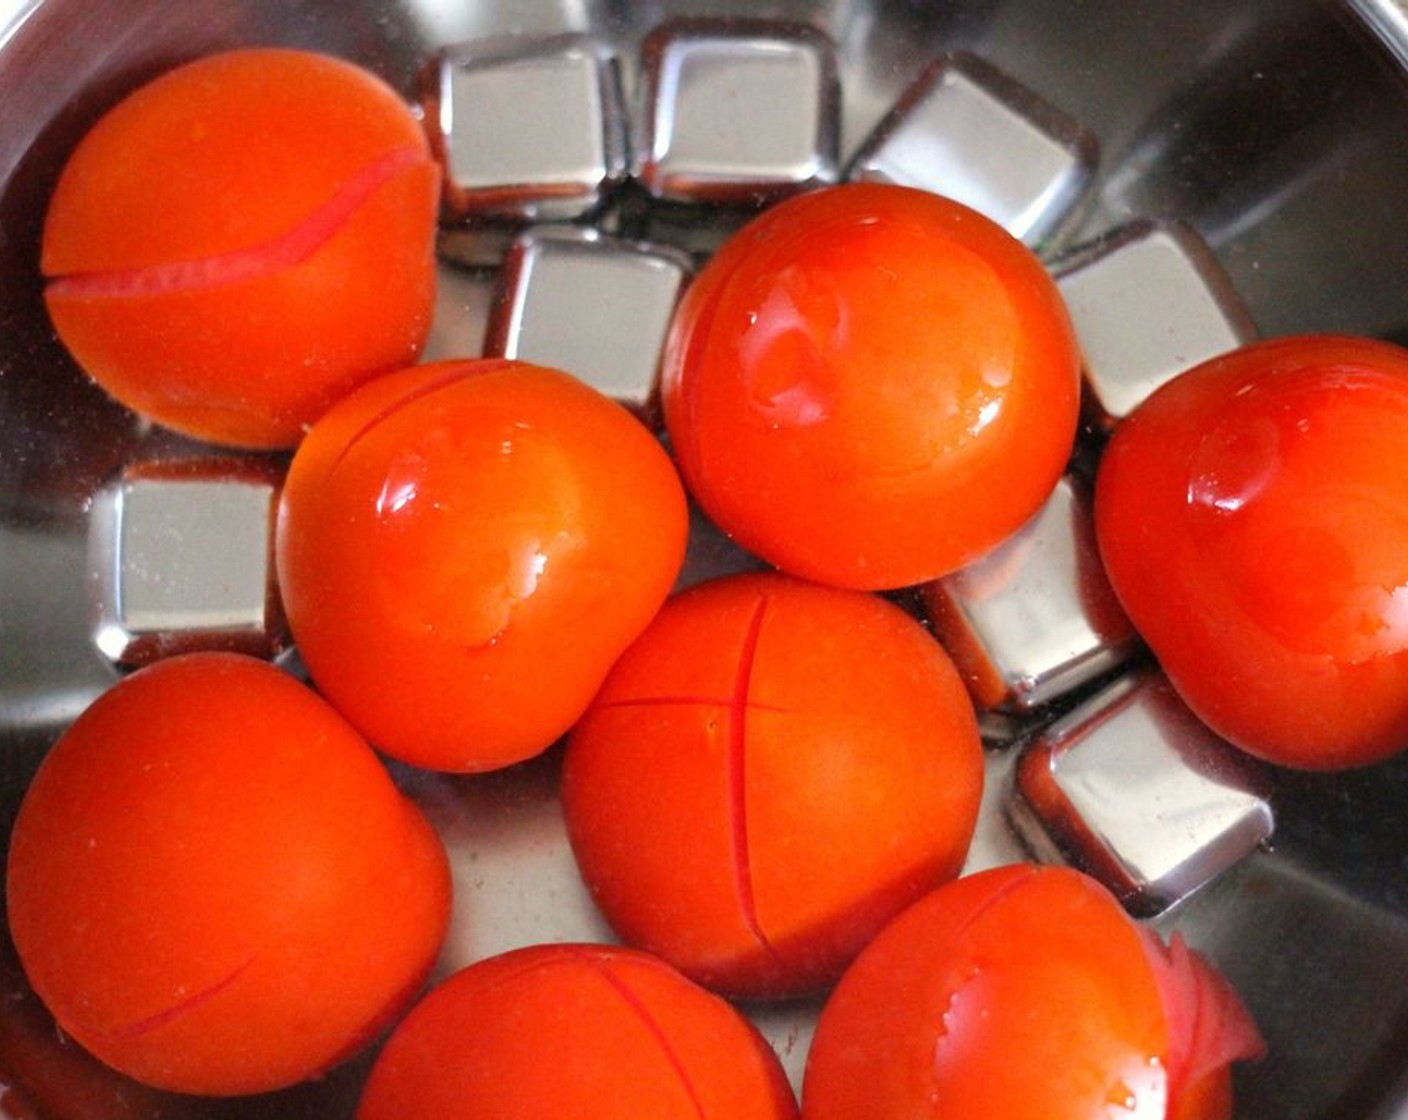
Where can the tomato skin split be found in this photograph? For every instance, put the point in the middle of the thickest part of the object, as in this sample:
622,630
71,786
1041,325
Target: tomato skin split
1209,1028
1253,518
870,386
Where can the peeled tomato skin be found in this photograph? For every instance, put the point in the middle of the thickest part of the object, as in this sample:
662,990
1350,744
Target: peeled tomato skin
1021,992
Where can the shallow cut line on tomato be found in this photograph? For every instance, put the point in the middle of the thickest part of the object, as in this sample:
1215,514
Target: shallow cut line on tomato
177,1010
684,700
642,1012
737,776
253,262
527,967
452,376
1018,880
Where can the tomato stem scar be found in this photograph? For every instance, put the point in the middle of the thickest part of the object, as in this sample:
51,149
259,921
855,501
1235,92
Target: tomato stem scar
251,262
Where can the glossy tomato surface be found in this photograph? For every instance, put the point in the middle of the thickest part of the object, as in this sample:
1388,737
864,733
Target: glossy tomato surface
1026,993
581,1031
214,885
1253,518
464,548
870,386
768,775
243,240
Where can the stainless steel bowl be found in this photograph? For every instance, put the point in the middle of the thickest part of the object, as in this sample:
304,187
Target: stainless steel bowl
1277,129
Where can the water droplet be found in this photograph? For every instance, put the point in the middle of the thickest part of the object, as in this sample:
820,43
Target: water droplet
1122,1096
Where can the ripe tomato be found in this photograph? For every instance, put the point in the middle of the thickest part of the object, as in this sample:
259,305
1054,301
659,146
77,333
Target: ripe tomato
1025,992
768,775
214,885
1253,517
585,1031
464,548
870,386
47,1074
244,239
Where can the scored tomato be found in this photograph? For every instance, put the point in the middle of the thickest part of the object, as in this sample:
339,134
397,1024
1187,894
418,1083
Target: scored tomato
244,239
1025,992
464,548
591,1032
771,772
870,386
1253,517
215,886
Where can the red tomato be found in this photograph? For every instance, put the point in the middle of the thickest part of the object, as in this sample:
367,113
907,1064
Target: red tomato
214,885
581,1031
464,549
1253,517
870,386
768,775
47,1074
1025,992
243,240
